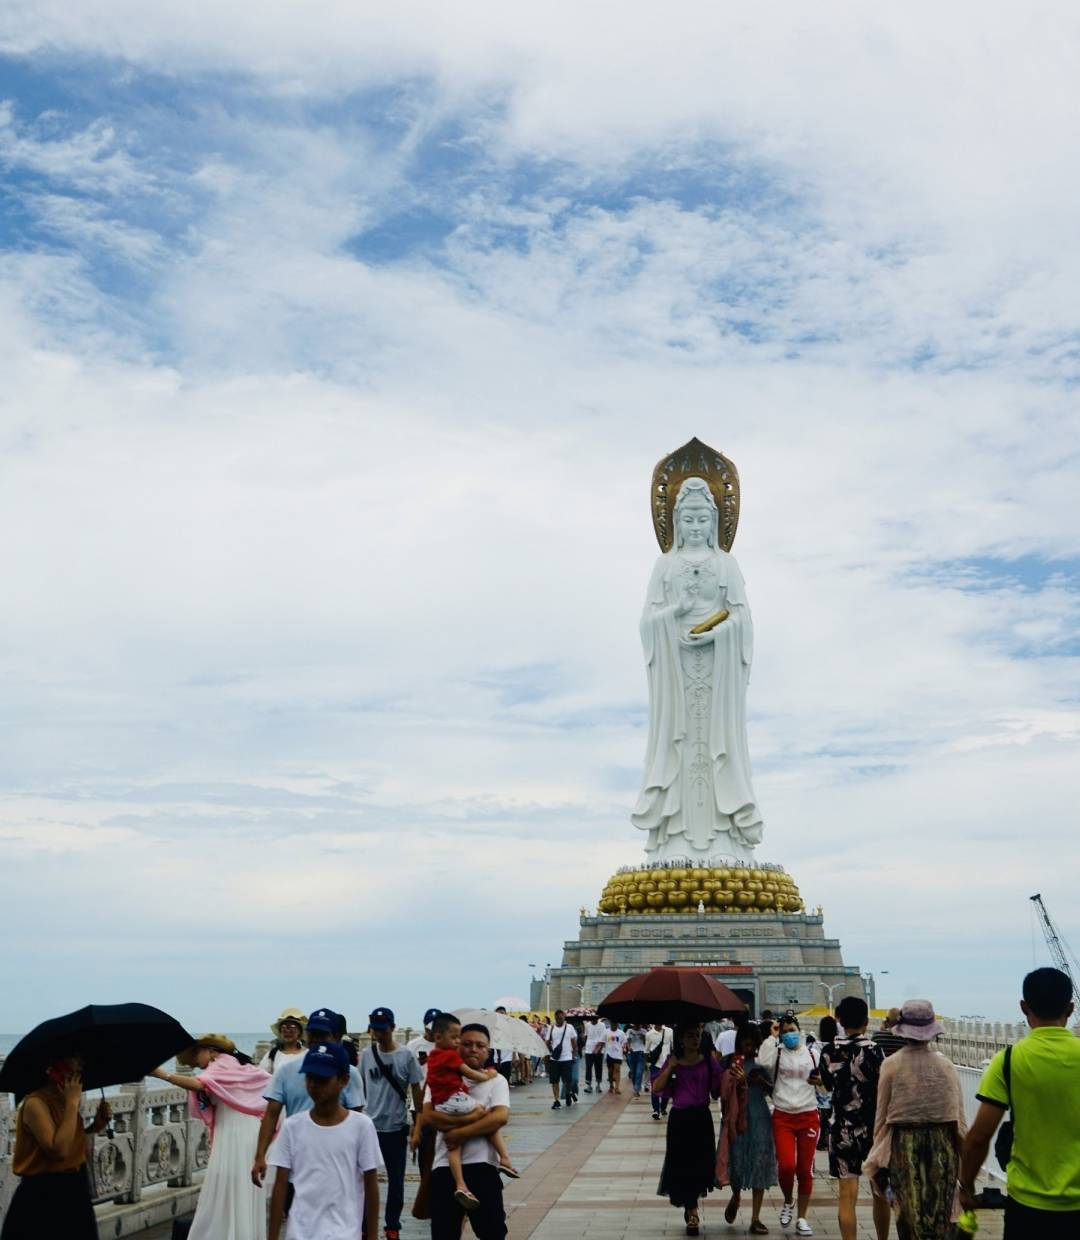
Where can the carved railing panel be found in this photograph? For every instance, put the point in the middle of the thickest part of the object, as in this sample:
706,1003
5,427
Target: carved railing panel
155,1144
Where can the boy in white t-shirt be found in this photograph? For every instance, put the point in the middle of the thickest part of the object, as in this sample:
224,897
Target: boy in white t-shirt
614,1050
595,1037
332,1157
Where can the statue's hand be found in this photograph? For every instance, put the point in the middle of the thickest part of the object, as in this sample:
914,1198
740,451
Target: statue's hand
693,641
686,601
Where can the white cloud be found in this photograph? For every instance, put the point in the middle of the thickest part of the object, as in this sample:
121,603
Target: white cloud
91,159
325,573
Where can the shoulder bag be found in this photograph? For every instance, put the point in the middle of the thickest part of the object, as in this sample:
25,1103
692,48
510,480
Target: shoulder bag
556,1050
1003,1143
384,1068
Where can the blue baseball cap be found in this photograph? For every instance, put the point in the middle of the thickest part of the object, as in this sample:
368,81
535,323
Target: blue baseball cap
431,1015
381,1018
327,1059
322,1021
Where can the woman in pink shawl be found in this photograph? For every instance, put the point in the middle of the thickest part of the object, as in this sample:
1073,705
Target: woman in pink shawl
227,1096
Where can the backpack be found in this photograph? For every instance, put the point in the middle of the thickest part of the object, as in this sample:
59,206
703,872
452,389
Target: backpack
780,1048
1003,1143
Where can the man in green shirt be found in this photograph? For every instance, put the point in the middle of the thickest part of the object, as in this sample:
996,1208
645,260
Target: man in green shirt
1044,1095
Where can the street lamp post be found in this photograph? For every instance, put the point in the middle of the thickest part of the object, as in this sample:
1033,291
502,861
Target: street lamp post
871,987
829,990
547,986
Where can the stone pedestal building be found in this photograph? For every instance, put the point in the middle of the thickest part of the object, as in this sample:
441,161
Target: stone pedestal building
770,958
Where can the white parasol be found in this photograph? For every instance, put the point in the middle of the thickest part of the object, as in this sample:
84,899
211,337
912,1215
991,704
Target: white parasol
507,1032
512,1003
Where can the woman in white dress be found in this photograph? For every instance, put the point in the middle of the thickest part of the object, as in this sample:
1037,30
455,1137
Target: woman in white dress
227,1095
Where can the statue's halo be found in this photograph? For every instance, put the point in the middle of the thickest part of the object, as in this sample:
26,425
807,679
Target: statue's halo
695,459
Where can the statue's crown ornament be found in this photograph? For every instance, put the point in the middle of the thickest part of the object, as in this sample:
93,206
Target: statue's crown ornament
695,460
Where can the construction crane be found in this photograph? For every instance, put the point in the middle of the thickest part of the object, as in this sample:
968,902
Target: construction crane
1059,949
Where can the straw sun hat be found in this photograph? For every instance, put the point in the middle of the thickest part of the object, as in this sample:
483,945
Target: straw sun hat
289,1014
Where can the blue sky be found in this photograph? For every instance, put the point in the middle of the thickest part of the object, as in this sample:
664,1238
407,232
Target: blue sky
338,350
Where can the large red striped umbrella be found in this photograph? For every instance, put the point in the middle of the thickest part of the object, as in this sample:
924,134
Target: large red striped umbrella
671,995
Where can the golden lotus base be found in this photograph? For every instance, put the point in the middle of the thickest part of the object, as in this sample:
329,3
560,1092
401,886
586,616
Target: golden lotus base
716,890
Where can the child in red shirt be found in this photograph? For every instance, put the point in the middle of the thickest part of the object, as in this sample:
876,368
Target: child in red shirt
447,1074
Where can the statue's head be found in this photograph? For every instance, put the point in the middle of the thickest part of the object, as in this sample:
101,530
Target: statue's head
695,515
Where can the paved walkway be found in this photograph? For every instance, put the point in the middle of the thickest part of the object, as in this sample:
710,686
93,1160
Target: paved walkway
590,1173
598,1182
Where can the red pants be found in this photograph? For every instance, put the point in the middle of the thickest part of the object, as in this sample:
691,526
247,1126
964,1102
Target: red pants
796,1140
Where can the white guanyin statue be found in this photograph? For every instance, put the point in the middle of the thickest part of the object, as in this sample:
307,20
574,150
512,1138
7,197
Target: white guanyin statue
697,797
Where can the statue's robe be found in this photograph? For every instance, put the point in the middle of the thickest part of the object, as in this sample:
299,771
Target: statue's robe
730,823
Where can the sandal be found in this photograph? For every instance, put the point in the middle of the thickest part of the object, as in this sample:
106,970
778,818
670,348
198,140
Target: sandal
467,1201
731,1210
758,1228
511,1173
693,1222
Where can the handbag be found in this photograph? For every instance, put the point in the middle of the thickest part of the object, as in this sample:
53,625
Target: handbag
1003,1142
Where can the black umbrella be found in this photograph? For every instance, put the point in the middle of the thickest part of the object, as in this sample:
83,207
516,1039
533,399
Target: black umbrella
118,1042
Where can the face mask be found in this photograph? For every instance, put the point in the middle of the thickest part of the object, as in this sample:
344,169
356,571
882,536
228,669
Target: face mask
790,1040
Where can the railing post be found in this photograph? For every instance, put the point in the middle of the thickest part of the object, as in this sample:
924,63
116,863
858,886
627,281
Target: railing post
194,1129
139,1137
188,1170
176,1118
7,1180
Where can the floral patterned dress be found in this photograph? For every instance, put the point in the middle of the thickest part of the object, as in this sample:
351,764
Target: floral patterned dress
753,1154
850,1068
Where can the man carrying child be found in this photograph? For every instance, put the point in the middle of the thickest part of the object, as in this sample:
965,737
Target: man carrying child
473,1137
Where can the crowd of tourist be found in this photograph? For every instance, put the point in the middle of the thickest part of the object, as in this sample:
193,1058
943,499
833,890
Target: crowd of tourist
316,1121
888,1106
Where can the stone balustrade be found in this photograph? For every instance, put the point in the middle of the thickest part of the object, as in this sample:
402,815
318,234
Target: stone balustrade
151,1168
155,1146
972,1042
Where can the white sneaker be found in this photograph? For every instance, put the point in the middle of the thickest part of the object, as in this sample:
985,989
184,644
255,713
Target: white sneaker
786,1211
803,1228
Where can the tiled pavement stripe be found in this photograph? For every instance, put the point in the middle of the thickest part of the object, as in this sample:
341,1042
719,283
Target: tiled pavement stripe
529,1199
648,1154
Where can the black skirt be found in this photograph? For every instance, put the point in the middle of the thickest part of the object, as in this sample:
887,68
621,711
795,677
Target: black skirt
55,1204
690,1158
